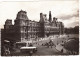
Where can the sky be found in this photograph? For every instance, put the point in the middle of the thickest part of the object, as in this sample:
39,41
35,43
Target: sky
66,11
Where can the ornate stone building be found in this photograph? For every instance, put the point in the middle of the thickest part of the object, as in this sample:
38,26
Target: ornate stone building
25,29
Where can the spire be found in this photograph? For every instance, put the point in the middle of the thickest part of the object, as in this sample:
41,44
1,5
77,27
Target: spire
50,17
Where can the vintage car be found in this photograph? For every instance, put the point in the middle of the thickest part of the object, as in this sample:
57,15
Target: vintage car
29,50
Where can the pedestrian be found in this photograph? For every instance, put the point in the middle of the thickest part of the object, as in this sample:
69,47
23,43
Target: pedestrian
51,46
47,45
7,52
62,51
30,53
30,45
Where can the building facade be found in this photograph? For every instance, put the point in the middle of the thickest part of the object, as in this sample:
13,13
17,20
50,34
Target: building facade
25,29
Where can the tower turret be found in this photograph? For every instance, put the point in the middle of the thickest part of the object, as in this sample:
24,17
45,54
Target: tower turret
50,17
22,15
8,23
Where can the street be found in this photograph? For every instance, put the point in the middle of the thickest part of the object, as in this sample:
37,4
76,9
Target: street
44,50
41,51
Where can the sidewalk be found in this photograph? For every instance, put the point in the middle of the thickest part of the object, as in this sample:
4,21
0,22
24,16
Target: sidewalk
59,47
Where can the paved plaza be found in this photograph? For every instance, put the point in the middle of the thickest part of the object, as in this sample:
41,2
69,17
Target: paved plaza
45,50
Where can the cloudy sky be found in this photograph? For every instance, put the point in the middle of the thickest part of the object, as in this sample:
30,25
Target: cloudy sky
66,11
